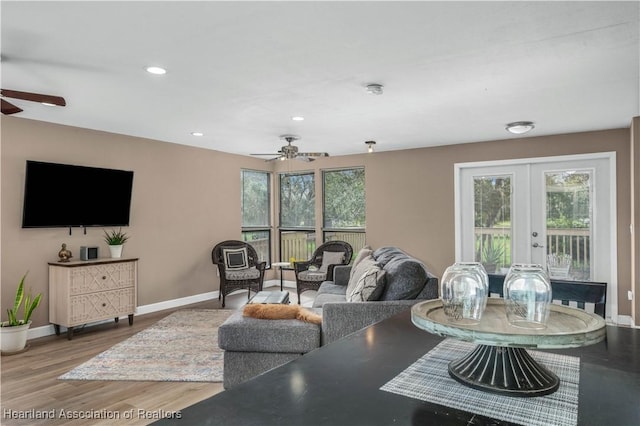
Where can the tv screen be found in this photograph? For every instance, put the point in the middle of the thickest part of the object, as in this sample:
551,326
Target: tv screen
63,195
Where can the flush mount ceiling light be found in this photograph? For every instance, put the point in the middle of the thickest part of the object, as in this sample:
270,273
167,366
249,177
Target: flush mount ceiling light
374,89
156,70
520,127
370,145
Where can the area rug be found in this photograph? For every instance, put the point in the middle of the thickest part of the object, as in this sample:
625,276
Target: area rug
428,380
183,347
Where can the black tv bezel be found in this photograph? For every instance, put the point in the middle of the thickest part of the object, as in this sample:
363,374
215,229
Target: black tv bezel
78,167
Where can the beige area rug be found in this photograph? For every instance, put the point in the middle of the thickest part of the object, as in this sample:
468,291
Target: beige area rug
183,347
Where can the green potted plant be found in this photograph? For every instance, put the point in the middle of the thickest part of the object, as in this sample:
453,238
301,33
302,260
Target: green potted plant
13,332
115,240
492,256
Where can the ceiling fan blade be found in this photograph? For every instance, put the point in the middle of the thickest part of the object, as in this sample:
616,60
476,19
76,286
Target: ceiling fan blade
313,154
274,158
276,153
304,158
35,97
9,108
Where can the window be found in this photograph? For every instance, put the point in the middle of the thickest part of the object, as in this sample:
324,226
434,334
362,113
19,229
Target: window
297,216
256,196
344,206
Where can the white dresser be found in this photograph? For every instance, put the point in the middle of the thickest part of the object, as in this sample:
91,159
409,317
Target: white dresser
81,292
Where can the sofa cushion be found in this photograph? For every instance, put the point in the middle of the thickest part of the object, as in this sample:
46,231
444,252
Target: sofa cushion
331,258
239,333
356,272
242,274
405,278
321,299
364,252
328,287
369,287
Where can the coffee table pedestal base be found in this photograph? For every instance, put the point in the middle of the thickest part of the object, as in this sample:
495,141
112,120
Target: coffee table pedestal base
507,371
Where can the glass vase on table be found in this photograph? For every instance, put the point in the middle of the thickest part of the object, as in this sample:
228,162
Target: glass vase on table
464,292
527,296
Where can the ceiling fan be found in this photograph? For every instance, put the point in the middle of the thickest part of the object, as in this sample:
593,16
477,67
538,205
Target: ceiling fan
9,108
290,152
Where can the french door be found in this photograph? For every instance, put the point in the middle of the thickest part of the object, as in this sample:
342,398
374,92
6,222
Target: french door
558,212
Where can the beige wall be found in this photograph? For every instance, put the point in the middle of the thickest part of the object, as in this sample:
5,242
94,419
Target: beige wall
186,199
635,216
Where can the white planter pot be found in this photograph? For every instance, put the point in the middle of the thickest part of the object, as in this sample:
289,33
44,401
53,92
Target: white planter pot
116,251
13,339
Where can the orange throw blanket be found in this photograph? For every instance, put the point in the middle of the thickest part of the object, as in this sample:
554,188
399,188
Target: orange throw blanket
278,311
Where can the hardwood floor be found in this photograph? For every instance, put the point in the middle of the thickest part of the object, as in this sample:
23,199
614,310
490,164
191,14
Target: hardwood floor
29,384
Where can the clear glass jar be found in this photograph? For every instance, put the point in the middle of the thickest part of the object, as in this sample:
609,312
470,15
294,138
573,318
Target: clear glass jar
527,296
464,292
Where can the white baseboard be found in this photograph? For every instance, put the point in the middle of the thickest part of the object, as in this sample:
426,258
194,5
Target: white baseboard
626,321
48,330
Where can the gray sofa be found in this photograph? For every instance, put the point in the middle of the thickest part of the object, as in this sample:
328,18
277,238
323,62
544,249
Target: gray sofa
253,346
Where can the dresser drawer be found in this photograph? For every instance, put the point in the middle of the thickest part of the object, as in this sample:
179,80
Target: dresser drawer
110,276
103,305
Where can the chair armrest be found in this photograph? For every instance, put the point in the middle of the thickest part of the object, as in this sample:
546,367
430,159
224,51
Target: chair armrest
301,266
342,318
341,274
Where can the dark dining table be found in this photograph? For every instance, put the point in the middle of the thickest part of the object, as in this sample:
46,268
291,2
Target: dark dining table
339,384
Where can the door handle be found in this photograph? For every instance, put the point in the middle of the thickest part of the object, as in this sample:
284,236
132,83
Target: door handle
536,245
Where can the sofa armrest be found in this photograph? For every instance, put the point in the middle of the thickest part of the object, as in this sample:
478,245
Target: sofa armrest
341,274
342,318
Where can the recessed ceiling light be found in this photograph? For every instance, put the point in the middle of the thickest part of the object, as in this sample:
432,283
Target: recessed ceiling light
520,127
197,134
297,118
156,70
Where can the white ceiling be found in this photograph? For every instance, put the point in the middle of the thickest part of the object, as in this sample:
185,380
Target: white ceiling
453,72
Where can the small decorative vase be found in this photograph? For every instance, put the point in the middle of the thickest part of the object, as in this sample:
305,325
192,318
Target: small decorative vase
465,288
527,296
116,251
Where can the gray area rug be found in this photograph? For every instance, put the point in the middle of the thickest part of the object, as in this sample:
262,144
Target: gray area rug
428,379
183,347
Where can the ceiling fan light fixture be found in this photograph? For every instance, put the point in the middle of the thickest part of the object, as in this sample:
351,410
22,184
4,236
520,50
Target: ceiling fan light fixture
375,89
520,127
370,145
156,70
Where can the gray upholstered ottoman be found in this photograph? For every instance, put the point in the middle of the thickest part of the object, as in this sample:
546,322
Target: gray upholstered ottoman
253,346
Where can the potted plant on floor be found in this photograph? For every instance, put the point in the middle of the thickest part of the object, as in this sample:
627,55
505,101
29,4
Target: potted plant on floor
115,240
13,332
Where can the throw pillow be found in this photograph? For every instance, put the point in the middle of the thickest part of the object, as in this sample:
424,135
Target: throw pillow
364,252
235,258
369,286
331,258
363,266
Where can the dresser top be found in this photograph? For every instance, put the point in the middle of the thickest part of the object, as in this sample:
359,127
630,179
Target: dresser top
75,263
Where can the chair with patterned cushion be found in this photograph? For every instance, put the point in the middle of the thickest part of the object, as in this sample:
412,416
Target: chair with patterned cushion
311,273
239,268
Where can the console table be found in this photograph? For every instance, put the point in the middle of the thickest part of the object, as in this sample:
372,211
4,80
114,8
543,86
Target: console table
339,384
87,291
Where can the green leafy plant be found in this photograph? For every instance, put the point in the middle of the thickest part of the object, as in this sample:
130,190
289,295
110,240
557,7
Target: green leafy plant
492,254
30,304
115,238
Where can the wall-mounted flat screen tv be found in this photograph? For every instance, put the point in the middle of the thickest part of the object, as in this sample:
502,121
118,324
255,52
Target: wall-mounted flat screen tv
64,195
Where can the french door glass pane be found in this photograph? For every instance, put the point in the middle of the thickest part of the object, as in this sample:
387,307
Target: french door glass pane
569,219
492,221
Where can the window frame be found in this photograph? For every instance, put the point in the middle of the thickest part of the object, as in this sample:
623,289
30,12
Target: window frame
245,230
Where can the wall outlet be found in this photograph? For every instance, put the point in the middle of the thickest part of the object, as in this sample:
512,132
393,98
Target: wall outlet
630,295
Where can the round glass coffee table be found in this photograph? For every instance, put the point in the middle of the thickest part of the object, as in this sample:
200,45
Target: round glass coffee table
500,362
